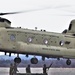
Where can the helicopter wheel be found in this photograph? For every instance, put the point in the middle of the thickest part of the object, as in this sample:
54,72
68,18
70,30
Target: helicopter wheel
68,62
34,60
17,60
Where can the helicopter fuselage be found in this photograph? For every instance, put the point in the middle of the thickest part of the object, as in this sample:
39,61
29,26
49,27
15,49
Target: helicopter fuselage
37,42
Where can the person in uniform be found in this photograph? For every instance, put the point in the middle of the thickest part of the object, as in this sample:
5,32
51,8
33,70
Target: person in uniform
28,69
15,69
45,68
11,69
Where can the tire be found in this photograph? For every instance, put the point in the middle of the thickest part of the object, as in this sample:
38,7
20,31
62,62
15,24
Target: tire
68,62
17,60
34,60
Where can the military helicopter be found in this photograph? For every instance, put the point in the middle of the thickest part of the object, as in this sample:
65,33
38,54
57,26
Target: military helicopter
36,42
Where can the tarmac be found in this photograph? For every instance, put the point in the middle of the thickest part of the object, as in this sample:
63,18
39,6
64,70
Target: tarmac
31,74
51,71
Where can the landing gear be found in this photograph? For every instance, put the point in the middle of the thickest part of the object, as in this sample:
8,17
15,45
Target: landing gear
34,60
43,58
58,58
17,60
68,62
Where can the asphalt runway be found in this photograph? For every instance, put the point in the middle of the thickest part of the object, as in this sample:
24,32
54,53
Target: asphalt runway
51,71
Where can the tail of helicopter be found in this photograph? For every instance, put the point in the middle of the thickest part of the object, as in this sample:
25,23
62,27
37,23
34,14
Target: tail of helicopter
71,29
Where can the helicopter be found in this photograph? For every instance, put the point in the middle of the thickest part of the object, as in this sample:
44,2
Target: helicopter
36,42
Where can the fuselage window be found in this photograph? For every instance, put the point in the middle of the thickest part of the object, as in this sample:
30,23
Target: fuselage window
46,41
61,43
30,39
12,37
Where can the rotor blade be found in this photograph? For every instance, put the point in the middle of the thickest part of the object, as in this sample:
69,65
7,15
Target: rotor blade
54,7
63,14
10,13
61,6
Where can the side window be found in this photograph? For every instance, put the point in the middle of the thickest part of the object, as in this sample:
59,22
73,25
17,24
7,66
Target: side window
12,37
61,43
29,39
46,41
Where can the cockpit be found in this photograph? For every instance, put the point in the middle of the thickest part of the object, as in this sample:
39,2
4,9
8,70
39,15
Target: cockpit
4,22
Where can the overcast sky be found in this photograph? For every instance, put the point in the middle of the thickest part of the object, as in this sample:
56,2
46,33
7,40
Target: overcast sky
51,15
54,17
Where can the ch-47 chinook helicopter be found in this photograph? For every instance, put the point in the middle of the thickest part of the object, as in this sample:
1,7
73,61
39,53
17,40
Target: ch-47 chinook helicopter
37,42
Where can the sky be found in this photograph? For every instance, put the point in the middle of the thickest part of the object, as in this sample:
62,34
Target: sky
50,15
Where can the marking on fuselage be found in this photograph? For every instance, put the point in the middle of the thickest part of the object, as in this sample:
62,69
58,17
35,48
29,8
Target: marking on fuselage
50,49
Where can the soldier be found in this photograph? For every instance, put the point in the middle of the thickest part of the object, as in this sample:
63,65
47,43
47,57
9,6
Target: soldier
28,69
44,67
15,69
11,69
